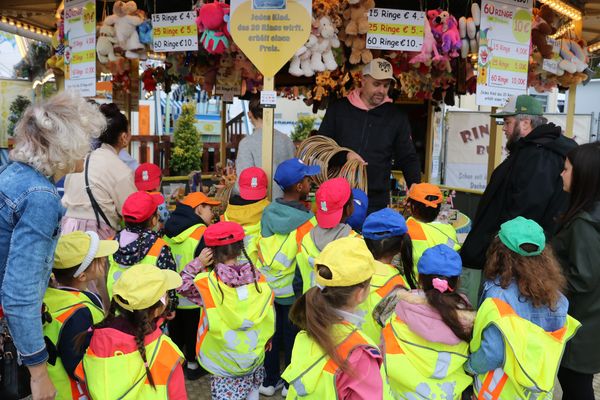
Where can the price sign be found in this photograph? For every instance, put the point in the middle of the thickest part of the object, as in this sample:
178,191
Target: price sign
395,29
80,54
551,65
174,32
268,98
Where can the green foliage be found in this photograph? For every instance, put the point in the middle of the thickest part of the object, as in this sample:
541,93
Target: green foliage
187,153
305,124
17,107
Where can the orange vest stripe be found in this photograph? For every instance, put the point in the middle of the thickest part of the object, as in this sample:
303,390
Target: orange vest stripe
391,344
79,373
390,285
343,351
197,234
163,365
503,308
156,247
415,231
497,390
207,298
65,316
301,231
559,334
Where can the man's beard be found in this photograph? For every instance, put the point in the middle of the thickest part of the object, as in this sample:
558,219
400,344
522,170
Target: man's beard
513,138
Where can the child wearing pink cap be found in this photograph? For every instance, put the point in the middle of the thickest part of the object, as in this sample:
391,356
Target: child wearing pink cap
147,179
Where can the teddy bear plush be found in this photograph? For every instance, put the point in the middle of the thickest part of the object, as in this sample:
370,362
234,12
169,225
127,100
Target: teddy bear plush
300,64
105,43
125,22
359,52
541,28
356,16
212,22
322,55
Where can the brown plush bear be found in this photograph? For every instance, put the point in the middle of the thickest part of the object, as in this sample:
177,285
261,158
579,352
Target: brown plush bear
541,28
356,17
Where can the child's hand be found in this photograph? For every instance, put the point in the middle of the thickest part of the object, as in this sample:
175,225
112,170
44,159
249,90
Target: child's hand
269,345
206,256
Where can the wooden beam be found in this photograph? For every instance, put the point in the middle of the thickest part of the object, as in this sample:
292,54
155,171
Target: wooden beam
495,146
223,144
429,140
267,136
572,92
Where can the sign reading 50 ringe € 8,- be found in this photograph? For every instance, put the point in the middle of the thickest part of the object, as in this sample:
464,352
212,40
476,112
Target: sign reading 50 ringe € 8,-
269,32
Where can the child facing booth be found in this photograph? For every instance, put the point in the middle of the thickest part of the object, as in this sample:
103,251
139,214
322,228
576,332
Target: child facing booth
79,258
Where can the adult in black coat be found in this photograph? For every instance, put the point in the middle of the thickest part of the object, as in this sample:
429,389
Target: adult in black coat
377,130
526,184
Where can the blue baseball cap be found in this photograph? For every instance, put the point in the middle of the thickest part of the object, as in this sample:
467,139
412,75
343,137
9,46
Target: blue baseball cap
383,224
361,204
440,260
292,171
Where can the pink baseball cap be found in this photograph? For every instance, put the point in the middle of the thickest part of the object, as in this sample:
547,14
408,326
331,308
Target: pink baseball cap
331,198
253,184
140,206
147,177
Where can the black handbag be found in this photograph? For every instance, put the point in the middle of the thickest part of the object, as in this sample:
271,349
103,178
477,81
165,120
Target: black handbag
14,376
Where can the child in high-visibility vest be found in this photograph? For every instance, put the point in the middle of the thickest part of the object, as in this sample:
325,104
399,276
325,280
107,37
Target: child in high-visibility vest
332,357
184,232
238,317
522,324
334,207
147,179
139,241
283,226
386,236
79,258
425,200
426,339
361,205
129,357
247,208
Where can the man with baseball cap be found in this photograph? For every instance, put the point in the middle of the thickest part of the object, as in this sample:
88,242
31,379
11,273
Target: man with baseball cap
527,183
376,130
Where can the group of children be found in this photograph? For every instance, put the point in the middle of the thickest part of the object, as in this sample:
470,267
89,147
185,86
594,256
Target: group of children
356,306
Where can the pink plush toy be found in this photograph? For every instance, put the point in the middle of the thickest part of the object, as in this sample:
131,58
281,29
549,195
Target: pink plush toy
446,26
429,47
212,22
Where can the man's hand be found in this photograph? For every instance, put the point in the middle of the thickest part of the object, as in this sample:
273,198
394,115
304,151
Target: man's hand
354,156
41,385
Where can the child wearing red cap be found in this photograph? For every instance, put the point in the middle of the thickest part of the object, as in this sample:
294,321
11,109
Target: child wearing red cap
238,318
335,205
247,208
147,179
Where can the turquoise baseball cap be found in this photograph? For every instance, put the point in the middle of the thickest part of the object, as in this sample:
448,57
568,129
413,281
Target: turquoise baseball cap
520,231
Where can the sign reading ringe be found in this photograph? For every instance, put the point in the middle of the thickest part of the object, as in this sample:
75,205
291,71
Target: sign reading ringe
174,32
391,29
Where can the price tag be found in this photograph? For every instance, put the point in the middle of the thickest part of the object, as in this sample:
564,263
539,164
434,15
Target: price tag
174,32
391,29
268,98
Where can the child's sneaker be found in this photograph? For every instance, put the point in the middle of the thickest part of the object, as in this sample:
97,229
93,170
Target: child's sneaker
270,390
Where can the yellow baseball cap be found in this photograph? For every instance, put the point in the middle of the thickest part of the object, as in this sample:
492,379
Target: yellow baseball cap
349,260
80,248
142,285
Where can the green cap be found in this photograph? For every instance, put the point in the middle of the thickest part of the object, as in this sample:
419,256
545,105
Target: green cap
508,110
528,105
520,231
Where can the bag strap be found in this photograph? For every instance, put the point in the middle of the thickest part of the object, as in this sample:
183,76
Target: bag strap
95,206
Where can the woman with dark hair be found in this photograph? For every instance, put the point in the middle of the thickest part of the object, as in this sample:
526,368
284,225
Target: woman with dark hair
95,197
577,246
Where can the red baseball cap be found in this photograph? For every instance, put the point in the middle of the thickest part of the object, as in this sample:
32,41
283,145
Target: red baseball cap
147,177
253,184
331,198
223,233
140,206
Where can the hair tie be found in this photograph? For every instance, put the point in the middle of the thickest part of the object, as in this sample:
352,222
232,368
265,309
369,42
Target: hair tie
320,287
441,285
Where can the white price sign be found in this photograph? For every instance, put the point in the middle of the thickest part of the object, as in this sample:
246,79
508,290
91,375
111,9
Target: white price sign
395,29
174,32
80,54
268,98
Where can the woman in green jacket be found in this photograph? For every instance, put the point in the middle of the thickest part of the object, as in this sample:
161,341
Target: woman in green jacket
577,245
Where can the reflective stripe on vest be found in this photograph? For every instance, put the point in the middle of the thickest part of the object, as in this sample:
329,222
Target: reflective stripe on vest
526,347
427,235
62,304
115,269
183,252
276,258
227,345
319,371
417,368
105,380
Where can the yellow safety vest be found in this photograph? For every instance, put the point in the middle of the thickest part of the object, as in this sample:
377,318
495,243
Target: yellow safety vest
427,235
385,279
235,325
277,258
183,247
306,260
123,376
312,373
62,304
251,234
419,369
531,355
115,269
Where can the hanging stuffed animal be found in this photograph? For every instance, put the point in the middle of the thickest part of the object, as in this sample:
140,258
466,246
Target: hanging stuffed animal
447,28
429,48
105,44
125,21
468,29
322,55
301,65
212,22
145,28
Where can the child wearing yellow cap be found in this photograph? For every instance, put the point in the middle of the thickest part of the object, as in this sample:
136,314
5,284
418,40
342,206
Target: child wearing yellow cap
79,258
129,357
332,358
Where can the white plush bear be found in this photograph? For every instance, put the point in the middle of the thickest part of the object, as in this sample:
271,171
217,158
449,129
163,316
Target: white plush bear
300,65
322,55
105,43
125,23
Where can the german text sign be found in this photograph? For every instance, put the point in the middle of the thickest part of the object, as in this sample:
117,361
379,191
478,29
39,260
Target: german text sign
174,32
395,29
80,54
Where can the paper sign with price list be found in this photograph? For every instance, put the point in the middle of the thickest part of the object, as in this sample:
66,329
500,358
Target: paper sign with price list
80,54
174,32
503,50
395,29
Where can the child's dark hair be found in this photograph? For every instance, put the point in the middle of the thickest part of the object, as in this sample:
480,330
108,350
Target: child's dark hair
255,107
448,304
229,251
318,324
423,212
390,247
346,214
140,225
116,124
65,276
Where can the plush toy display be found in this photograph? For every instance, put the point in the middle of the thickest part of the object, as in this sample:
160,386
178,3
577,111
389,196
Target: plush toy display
125,21
445,28
429,48
322,54
148,80
356,25
541,28
301,65
212,22
105,44
144,29
468,29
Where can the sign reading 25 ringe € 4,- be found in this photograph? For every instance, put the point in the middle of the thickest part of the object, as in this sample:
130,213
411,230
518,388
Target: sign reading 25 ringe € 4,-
269,32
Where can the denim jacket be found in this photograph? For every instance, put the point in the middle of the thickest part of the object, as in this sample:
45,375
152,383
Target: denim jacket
30,214
491,353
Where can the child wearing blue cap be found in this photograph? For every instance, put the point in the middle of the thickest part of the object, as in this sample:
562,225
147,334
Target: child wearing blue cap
361,205
522,322
386,236
426,338
283,225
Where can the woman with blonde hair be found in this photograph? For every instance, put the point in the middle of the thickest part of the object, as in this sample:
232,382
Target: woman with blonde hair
51,140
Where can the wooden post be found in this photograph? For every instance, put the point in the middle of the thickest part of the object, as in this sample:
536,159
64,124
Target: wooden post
578,29
495,146
223,145
429,140
267,136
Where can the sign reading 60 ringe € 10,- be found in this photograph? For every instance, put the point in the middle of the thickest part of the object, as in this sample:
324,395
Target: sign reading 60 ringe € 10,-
269,32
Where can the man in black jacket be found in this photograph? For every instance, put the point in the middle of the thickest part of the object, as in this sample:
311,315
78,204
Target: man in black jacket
527,183
377,130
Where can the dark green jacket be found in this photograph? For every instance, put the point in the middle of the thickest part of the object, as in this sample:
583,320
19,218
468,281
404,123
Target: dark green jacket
577,246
